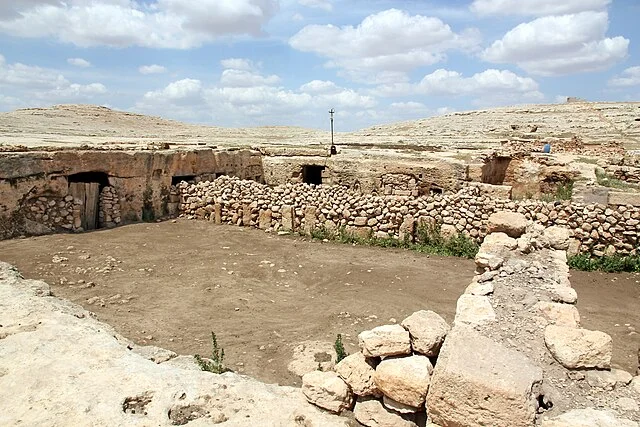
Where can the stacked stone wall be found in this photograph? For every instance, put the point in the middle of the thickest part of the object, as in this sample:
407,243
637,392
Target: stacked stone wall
597,229
109,208
53,213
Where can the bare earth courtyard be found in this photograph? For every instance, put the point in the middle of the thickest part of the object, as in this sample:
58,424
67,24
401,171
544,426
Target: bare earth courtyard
169,284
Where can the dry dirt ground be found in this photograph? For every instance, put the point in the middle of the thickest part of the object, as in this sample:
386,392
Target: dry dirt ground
169,284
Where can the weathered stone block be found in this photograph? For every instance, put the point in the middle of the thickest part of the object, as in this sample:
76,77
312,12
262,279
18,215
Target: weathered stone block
404,379
511,223
477,381
327,390
427,330
579,348
387,340
358,372
474,310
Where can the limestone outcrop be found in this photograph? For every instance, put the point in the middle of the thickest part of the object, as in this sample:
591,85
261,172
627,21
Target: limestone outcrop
59,366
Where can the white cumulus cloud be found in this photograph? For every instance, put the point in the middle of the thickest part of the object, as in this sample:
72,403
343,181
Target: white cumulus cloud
629,77
536,7
558,45
38,86
79,62
385,45
152,69
178,24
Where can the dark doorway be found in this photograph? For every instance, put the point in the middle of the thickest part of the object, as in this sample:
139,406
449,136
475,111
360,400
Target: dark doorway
86,186
312,174
175,180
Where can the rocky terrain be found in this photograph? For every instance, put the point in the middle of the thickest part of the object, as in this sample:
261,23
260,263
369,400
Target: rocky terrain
59,366
75,125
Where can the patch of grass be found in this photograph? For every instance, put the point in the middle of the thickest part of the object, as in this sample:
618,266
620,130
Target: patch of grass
216,364
564,191
589,160
607,180
339,347
608,264
429,240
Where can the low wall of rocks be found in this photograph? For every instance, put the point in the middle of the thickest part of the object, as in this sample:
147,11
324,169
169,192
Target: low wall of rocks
597,229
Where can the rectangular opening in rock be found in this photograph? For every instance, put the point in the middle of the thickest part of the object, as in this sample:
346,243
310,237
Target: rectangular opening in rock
312,174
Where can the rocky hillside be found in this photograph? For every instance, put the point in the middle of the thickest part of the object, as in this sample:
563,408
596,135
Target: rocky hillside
74,125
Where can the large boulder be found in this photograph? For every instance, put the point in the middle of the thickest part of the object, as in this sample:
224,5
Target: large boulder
358,372
372,413
588,418
327,390
579,348
478,381
427,330
511,223
404,379
387,340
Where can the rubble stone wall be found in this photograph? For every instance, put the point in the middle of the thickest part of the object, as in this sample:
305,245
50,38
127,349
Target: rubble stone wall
597,229
51,213
109,208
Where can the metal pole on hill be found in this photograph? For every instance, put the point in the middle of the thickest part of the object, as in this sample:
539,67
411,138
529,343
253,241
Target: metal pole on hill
333,147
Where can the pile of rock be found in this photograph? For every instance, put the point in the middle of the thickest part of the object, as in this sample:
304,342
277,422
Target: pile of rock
599,229
109,208
389,378
515,356
53,213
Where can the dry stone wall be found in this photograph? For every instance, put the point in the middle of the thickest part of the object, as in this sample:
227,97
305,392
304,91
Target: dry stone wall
109,208
52,213
597,229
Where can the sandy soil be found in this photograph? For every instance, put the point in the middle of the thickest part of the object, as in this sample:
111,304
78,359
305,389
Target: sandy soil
169,284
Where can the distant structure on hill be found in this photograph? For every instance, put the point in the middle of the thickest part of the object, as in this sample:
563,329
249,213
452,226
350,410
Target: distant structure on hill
572,99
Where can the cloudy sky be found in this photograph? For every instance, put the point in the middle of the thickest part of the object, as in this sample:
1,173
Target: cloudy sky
286,62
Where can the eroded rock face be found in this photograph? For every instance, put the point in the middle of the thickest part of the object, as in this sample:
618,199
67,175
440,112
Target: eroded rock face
427,330
579,348
387,340
327,390
83,369
559,314
358,372
405,380
511,223
477,381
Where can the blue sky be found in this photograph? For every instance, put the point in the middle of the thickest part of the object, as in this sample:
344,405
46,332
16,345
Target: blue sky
287,62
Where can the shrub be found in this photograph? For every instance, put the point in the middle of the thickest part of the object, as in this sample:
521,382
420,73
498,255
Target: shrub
216,364
339,347
608,264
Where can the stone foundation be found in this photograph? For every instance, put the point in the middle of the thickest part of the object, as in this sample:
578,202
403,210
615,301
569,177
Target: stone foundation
597,229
